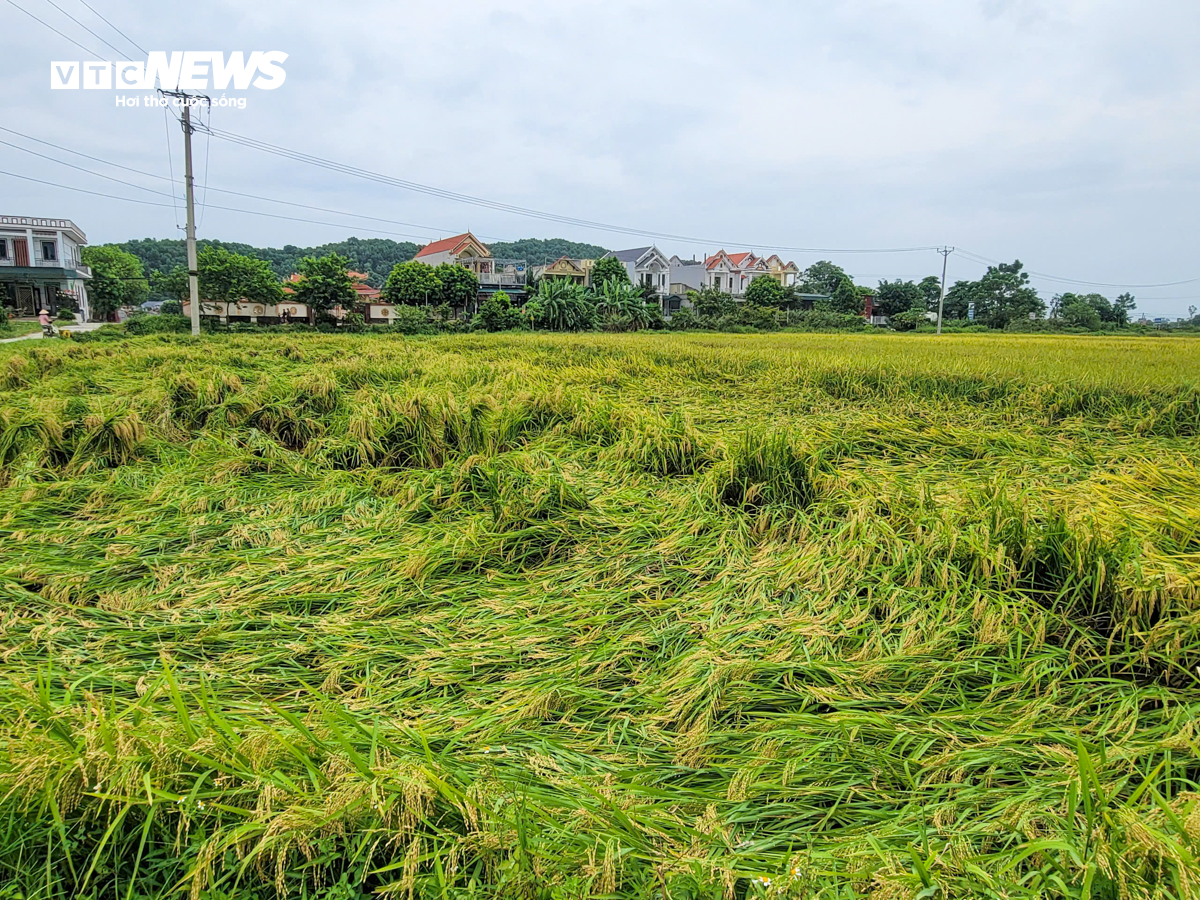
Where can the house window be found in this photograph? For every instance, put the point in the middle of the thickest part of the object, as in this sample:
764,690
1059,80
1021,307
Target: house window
3,249
49,251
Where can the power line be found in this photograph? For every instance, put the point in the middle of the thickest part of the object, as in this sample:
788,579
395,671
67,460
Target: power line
114,27
67,187
249,212
443,193
207,147
975,257
55,30
428,228
84,27
89,171
171,165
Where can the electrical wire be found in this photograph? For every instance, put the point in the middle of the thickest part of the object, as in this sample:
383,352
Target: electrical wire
171,165
976,257
114,27
442,193
338,212
85,28
55,30
234,209
207,147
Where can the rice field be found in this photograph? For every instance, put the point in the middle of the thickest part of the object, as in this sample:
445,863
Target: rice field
539,616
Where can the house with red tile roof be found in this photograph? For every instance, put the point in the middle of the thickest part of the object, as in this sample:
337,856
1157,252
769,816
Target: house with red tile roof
466,250
733,272
461,247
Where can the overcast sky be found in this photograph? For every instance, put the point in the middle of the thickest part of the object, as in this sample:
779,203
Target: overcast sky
1061,132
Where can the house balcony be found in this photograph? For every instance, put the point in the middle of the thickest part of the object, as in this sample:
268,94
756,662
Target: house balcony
43,270
496,274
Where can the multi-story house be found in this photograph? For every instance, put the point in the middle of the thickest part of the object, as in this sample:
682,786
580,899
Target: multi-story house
508,275
647,267
786,272
733,272
577,271
40,266
686,275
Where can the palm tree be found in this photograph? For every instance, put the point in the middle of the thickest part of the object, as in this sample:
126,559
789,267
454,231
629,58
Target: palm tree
622,301
563,305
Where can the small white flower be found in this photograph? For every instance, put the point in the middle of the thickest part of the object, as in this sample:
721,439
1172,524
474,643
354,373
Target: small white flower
97,788
763,880
795,871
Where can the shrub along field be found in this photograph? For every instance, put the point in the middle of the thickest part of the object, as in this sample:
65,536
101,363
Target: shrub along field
583,616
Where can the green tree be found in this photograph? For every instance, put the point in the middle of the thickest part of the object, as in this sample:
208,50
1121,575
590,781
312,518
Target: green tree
225,277
1081,314
118,280
412,283
908,320
496,313
561,306
538,252
373,256
609,269
1122,307
325,283
458,286
622,305
931,291
821,277
894,297
1001,296
711,304
1005,295
959,299
846,299
766,291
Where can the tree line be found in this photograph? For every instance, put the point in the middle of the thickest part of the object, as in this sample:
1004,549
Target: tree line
1001,298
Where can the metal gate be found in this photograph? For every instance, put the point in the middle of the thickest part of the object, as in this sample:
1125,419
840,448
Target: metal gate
26,301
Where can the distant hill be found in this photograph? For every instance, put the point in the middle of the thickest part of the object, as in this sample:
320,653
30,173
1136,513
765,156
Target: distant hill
539,252
373,256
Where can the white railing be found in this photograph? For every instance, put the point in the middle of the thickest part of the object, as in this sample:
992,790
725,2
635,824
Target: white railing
31,222
502,279
80,268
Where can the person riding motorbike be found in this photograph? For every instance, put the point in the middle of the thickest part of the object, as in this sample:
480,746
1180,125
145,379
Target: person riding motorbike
47,326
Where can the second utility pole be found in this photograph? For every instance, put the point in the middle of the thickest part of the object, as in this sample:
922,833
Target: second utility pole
193,271
945,251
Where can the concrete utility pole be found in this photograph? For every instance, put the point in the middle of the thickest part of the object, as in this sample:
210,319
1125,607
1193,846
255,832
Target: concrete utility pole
193,272
945,251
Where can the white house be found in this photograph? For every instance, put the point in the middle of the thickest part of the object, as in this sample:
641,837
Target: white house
647,267
733,272
686,275
41,265
468,251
